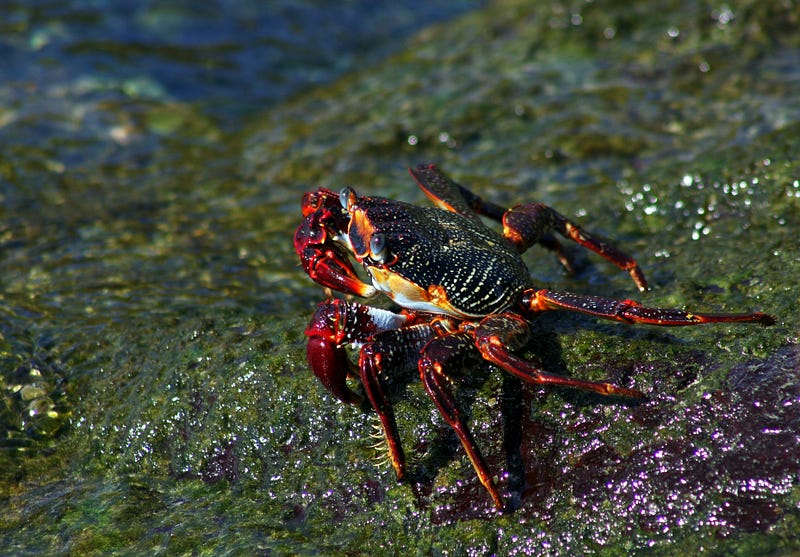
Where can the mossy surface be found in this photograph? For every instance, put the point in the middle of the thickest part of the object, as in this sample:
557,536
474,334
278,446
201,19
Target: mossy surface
156,397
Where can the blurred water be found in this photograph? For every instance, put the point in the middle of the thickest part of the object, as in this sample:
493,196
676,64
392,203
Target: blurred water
228,55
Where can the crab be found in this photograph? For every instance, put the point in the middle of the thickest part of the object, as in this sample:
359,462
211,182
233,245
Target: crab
464,295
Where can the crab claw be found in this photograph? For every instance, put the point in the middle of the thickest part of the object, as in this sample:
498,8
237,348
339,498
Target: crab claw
322,198
325,352
330,365
325,261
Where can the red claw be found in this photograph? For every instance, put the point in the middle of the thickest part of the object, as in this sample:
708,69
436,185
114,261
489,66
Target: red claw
325,352
324,260
329,363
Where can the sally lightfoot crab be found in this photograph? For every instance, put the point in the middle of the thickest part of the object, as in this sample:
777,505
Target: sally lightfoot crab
464,291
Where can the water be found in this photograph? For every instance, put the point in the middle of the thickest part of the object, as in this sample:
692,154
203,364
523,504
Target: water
229,56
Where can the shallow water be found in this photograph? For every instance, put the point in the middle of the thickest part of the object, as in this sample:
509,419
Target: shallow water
155,393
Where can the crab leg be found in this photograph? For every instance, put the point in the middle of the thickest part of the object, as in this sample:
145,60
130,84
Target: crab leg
388,344
630,311
497,335
523,225
394,351
495,338
445,354
446,194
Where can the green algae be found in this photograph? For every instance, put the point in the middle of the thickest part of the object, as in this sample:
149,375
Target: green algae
163,308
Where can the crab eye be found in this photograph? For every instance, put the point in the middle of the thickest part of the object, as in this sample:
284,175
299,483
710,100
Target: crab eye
377,247
347,197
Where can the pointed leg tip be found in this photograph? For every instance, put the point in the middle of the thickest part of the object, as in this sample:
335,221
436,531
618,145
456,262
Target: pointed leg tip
500,504
765,319
638,277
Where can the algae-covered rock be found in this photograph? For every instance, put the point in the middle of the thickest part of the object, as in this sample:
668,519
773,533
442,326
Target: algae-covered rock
155,394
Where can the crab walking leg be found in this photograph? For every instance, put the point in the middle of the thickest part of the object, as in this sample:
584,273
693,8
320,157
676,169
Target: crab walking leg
447,194
550,242
524,225
440,355
394,351
497,335
630,311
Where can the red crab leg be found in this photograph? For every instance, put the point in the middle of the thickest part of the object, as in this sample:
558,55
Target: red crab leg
388,344
523,225
495,338
445,354
498,335
392,351
450,196
630,311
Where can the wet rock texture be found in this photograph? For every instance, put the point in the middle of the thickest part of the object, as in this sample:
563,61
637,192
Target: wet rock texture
154,394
